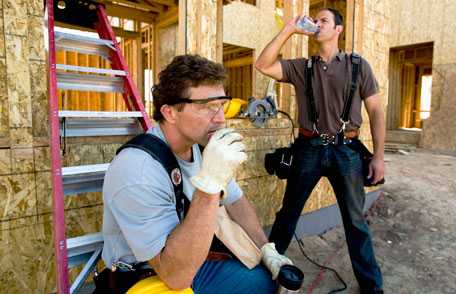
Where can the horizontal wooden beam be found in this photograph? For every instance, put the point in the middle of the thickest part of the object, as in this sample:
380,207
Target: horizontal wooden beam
231,50
125,3
119,32
163,2
168,18
130,13
248,60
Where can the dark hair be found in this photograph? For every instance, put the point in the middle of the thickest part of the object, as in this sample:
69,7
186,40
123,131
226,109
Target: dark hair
183,72
338,19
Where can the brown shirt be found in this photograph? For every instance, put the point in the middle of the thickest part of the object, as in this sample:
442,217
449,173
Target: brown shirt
330,84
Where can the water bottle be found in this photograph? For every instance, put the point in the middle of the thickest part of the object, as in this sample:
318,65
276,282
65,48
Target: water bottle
290,279
306,24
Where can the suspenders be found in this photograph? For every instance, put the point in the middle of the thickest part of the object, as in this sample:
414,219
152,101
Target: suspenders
161,152
344,118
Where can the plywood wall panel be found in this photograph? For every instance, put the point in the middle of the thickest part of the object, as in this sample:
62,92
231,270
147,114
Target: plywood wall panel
15,17
5,161
35,35
39,98
4,102
22,160
18,81
18,196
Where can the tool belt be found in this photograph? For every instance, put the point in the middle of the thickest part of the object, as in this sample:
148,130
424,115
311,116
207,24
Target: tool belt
126,276
316,139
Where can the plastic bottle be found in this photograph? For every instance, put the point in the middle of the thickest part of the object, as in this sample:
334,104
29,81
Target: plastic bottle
305,23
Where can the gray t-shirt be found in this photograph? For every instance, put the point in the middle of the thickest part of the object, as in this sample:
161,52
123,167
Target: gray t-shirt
139,204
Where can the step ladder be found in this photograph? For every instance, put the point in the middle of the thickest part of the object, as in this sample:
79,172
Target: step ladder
79,179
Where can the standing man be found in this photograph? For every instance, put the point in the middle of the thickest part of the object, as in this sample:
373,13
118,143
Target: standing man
140,225
317,151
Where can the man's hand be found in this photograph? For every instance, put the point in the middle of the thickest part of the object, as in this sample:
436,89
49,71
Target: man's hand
273,260
221,157
376,169
292,27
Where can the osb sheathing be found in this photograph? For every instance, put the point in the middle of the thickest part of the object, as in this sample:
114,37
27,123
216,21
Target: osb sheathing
371,41
420,21
201,29
167,46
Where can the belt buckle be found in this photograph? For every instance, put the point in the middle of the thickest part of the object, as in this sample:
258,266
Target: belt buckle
122,266
327,139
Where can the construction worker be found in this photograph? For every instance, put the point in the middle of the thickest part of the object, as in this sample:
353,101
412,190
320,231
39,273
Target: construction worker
321,148
141,228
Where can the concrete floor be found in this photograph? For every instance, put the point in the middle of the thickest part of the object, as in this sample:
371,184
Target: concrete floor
413,226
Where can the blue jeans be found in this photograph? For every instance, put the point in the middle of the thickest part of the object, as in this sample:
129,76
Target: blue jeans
343,168
231,276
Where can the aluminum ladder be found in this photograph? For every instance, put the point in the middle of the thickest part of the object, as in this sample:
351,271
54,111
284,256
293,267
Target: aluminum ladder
78,179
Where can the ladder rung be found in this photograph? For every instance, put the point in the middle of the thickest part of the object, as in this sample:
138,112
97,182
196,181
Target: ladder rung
87,82
90,127
81,248
83,44
99,114
78,284
95,70
83,178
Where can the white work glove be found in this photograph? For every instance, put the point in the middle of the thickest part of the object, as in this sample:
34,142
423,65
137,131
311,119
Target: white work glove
221,157
272,259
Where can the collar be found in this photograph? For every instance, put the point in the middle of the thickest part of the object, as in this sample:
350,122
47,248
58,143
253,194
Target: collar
340,56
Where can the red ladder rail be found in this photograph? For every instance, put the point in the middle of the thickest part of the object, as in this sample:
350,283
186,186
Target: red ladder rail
60,246
131,95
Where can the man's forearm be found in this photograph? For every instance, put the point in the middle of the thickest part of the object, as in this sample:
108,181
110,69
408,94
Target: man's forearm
377,126
271,52
243,213
188,245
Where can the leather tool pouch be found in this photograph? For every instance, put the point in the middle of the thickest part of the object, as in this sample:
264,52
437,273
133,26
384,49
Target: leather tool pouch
279,162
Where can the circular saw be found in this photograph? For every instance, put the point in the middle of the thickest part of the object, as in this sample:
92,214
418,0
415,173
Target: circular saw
260,110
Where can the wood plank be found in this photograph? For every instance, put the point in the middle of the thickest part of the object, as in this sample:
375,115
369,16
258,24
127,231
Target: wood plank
219,34
182,28
243,61
134,5
163,2
118,32
130,13
168,18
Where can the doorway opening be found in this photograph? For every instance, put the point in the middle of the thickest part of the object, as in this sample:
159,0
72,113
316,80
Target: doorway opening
410,88
410,77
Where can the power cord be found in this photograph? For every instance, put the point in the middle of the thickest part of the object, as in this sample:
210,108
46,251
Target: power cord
301,247
291,121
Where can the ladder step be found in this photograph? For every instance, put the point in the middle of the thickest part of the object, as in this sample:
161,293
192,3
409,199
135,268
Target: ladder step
99,114
95,70
83,178
83,44
81,248
88,82
95,127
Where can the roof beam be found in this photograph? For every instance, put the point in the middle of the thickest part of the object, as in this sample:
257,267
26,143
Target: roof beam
130,13
168,18
135,5
163,2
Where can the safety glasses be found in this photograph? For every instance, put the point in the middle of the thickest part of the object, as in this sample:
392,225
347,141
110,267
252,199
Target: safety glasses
208,106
